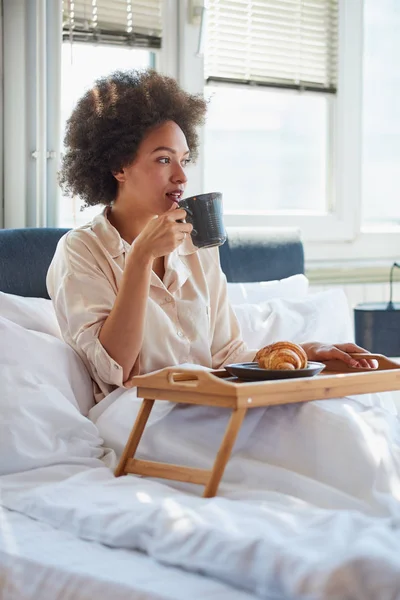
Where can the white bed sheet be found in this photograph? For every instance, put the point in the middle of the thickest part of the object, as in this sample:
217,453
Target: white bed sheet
38,562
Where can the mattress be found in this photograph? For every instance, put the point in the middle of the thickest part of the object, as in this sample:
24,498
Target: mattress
38,562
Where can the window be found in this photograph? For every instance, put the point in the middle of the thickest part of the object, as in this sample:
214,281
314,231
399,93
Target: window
102,36
381,113
267,149
289,140
82,64
268,144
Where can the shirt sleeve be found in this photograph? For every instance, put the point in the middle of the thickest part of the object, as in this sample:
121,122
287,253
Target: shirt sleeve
227,345
83,297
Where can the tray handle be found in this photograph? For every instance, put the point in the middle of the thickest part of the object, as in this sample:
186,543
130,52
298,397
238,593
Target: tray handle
180,378
192,379
384,363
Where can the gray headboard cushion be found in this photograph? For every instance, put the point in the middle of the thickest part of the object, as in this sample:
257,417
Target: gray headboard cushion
25,256
261,254
247,255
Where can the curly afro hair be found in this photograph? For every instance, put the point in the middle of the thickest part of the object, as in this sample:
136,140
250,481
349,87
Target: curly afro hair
109,122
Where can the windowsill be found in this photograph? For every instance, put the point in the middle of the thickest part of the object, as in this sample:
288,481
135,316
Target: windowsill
349,272
385,228
366,258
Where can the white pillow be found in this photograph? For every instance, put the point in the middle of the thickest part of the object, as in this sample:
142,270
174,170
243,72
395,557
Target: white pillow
295,286
43,384
320,317
32,313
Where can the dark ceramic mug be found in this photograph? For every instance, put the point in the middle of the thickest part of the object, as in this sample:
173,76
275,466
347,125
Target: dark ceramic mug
205,213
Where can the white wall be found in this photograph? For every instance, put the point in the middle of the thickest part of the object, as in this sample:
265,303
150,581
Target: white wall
363,292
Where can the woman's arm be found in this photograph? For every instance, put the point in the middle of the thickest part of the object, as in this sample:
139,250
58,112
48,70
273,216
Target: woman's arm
104,324
122,332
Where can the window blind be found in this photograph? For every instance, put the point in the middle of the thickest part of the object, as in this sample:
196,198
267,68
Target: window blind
278,43
127,22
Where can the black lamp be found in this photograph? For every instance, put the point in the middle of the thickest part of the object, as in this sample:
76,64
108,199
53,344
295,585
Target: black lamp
377,324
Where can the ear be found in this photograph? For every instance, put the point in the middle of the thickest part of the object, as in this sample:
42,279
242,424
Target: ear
120,175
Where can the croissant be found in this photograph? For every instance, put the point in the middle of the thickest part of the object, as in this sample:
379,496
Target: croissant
282,355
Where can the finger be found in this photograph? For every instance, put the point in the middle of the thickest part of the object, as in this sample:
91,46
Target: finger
185,227
173,207
350,347
343,356
182,236
373,364
176,214
364,364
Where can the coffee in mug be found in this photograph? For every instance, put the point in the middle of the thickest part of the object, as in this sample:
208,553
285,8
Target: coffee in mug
204,212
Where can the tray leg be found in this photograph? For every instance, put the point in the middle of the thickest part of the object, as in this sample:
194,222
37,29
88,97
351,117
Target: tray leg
224,452
135,436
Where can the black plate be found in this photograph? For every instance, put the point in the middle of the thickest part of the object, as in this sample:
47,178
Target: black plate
252,372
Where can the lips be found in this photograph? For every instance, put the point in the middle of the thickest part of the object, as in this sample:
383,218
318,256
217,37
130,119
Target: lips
175,195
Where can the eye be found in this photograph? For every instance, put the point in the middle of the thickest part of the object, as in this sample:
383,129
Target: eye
164,160
186,161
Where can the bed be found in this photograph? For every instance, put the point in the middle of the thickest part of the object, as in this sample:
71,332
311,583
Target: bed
299,528
38,561
284,525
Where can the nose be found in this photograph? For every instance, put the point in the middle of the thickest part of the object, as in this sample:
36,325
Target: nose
179,175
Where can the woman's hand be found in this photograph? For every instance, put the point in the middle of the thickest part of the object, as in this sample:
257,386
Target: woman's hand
320,352
162,234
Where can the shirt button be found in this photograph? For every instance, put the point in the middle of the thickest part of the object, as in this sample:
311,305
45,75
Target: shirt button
180,334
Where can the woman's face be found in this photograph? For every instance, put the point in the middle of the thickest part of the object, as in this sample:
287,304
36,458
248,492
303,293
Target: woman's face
156,179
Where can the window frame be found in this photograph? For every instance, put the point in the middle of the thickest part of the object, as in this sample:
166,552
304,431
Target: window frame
344,134
31,81
338,236
14,114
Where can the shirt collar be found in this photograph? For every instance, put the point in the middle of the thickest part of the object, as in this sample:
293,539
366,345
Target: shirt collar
107,234
112,241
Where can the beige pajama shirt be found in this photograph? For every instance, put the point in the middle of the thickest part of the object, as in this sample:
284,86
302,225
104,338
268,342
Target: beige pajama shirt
188,316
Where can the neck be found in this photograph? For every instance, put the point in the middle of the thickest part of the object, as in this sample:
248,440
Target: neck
127,221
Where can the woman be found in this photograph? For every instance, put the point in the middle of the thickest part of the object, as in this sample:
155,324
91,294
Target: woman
132,295
131,292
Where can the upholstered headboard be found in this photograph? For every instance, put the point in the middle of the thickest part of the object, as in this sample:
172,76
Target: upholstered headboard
247,255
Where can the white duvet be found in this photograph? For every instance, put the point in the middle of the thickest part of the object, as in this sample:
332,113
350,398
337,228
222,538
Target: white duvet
308,507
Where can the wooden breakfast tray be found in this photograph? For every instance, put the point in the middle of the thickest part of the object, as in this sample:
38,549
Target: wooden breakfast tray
218,388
